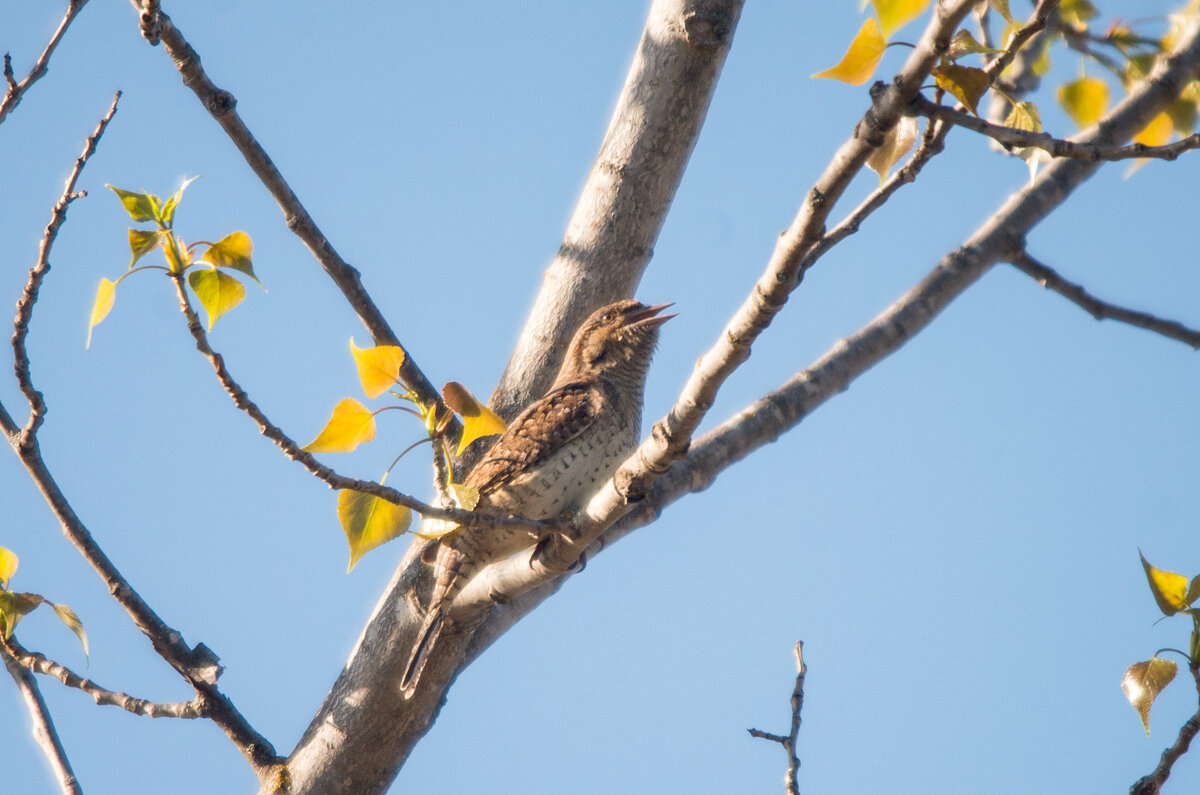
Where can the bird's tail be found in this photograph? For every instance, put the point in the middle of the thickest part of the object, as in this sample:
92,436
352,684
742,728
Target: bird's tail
452,575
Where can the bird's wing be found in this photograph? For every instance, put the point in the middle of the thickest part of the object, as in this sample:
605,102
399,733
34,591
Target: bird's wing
536,433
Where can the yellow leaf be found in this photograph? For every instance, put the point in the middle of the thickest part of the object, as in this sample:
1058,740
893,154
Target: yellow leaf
1024,116
896,144
1001,8
15,606
101,306
1084,100
369,521
895,14
1157,132
1169,589
171,204
1143,682
966,83
465,497
350,425
478,419
232,251
8,566
68,617
378,367
178,256
964,43
140,206
218,292
1076,13
142,243
859,62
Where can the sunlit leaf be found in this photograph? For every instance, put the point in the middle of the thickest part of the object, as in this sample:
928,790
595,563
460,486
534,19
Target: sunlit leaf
8,566
15,606
964,43
1001,8
369,521
218,292
895,14
1169,589
1084,100
103,304
1025,116
68,617
178,256
1143,682
378,367
464,497
142,243
1076,13
1183,116
859,62
1193,591
140,206
478,419
171,204
232,251
966,83
896,144
350,425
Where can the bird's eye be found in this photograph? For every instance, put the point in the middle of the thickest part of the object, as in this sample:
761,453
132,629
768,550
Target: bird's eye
608,317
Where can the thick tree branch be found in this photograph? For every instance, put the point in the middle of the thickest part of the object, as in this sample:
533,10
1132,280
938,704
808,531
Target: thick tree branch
1151,784
40,664
43,725
15,91
1057,147
1102,310
222,105
790,783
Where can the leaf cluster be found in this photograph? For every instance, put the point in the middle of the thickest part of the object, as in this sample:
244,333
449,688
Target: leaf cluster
15,605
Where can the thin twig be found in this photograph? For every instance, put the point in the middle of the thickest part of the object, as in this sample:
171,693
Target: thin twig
40,664
790,778
294,451
1102,310
222,105
37,274
43,725
1057,147
1151,784
15,91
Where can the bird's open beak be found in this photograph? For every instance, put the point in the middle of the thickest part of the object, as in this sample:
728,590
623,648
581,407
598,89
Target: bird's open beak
649,317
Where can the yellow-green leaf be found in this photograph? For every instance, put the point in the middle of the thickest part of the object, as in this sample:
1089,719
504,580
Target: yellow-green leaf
1183,116
140,206
1024,116
1143,682
1076,13
142,243
465,497
895,14
966,83
103,304
369,521
964,43
8,566
1001,8
1193,591
350,425
478,419
378,367
1084,100
233,251
15,606
68,617
178,256
1169,589
218,292
169,207
859,62
896,144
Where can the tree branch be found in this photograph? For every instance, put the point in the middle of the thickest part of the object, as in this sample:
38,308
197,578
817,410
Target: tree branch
15,90
1151,784
40,664
790,784
43,725
221,105
1102,310
1057,147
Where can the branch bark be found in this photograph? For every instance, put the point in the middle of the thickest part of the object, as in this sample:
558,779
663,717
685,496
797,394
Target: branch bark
43,725
15,90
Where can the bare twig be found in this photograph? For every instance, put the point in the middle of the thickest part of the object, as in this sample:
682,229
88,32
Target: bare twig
1057,147
294,451
1102,310
222,105
15,91
43,725
40,664
1151,784
37,274
790,782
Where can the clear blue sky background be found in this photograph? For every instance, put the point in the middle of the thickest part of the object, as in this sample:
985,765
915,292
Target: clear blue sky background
954,538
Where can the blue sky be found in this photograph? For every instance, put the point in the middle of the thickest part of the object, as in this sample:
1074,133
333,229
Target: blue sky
954,538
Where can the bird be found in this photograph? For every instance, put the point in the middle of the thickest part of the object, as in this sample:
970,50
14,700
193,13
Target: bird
553,457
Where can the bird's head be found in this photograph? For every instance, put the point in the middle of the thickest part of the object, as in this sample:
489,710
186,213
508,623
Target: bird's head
616,341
